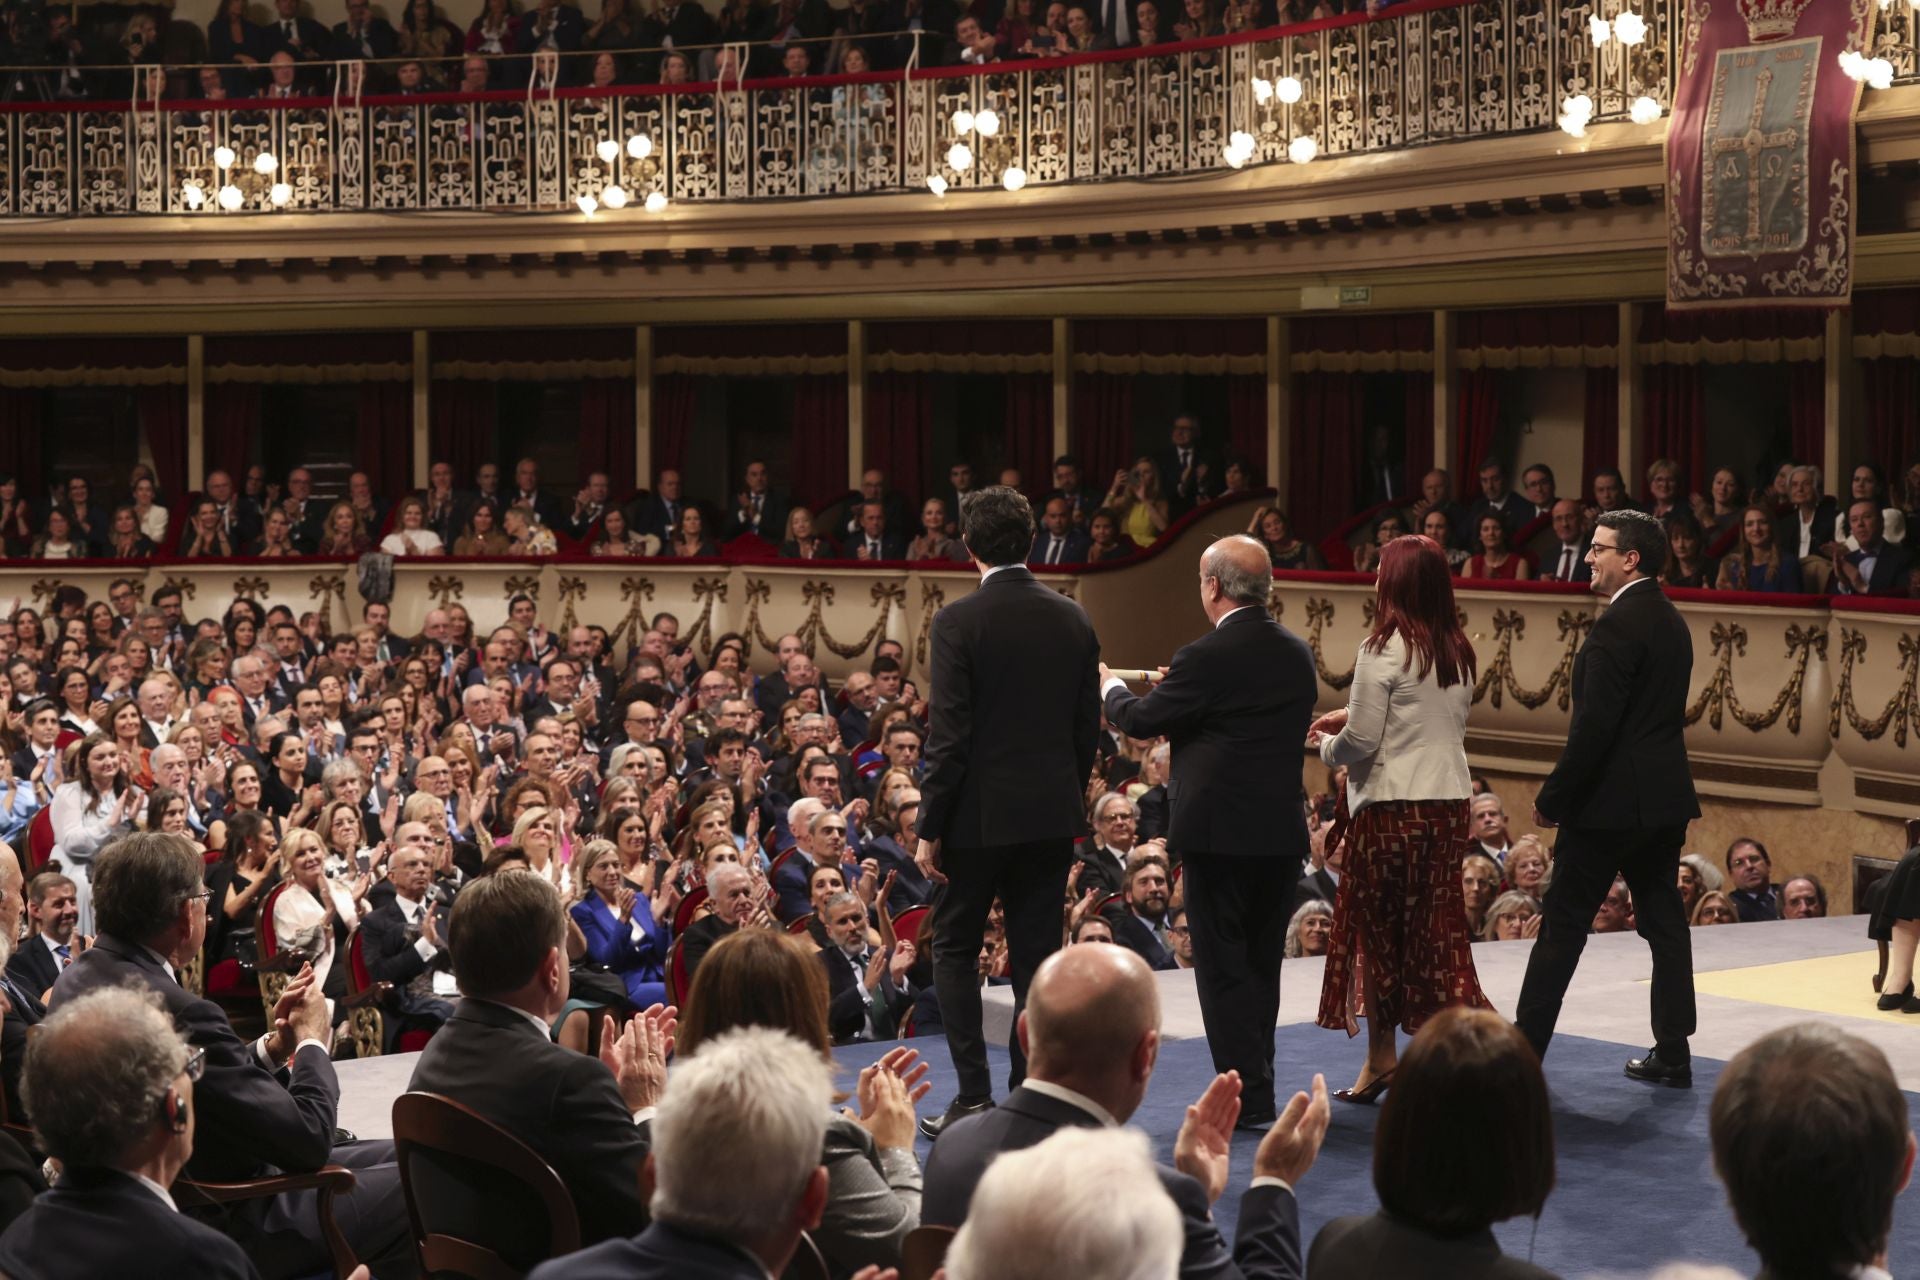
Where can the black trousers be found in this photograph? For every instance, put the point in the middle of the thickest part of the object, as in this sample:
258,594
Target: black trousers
1585,861
1238,909
1031,882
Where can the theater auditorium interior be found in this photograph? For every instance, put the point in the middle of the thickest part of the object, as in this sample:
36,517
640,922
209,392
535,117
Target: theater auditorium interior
520,451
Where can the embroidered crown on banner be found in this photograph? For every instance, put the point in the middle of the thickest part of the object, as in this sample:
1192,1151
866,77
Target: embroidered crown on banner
1771,19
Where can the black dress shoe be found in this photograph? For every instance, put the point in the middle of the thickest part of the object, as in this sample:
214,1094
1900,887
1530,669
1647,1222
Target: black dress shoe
1255,1121
1657,1070
958,1109
1896,1000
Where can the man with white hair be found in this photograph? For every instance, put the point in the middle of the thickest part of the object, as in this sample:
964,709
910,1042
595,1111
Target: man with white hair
1086,1202
156,712
1116,823
256,698
736,1167
110,1084
730,891
1091,1032
171,769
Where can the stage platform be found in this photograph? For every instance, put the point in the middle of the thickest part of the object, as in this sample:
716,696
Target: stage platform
1635,1179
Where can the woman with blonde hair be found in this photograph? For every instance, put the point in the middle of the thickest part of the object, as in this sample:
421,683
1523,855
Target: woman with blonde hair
1136,499
1758,562
410,536
315,914
536,833
1713,908
803,541
1528,867
342,534
627,931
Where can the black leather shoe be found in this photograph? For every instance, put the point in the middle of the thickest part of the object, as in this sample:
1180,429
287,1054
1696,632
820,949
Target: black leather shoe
1255,1121
1657,1070
959,1109
1897,1000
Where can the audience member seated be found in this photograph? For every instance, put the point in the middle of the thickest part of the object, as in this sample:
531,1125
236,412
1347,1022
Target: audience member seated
1812,1138
586,1116
1495,560
1758,562
688,537
265,1106
1275,531
1615,913
110,1081
803,542
1750,868
1511,509
1366,557
480,538
1687,562
405,941
1806,532
1091,1033
735,904
1479,885
1713,908
1310,930
1058,542
1465,1140
767,980
869,994
1513,915
411,536
1876,566
1697,876
1106,542
1138,503
933,542
737,1173
1141,918
628,931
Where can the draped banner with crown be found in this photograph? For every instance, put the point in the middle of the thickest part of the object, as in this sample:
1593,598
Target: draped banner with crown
1760,153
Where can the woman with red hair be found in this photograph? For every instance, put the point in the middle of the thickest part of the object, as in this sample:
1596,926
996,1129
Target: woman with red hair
1401,950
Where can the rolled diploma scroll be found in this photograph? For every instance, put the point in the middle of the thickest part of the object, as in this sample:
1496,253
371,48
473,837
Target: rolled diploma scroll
1136,677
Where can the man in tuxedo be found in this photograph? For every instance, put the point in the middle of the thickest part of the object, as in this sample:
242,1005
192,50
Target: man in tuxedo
405,939
868,991
586,1116
267,1106
1092,1032
1812,1138
737,1177
1189,475
111,1086
54,942
1014,717
1496,499
1566,560
1878,567
756,508
1058,541
1233,705
1103,861
1622,796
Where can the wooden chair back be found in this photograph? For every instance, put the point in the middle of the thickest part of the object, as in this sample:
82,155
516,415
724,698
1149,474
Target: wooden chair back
459,1169
922,1252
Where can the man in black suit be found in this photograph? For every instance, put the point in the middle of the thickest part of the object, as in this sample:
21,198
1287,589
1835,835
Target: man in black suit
736,1169
1058,541
1622,796
587,1117
267,1106
1139,917
110,1081
43,730
301,38
868,991
873,488
757,509
1495,499
1103,859
1878,567
363,37
1014,717
1092,1032
403,940
526,472
657,512
871,537
1233,705
53,943
1565,560
1189,475
1081,501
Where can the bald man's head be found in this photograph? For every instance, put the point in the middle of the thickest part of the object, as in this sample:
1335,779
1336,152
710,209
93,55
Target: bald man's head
1092,1024
1234,571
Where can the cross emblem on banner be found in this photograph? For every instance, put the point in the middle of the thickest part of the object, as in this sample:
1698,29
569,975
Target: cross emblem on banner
1754,144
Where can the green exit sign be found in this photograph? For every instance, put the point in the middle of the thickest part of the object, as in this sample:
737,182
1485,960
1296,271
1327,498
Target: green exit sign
1356,295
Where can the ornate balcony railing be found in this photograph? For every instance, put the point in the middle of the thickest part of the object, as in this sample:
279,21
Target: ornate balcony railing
1423,73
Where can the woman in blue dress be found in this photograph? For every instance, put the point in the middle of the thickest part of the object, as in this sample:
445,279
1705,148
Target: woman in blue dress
624,929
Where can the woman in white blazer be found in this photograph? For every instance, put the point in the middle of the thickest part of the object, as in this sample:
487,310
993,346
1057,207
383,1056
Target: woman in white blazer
1401,951
315,915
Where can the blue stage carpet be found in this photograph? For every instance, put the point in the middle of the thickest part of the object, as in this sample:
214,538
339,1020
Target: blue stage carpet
1635,1183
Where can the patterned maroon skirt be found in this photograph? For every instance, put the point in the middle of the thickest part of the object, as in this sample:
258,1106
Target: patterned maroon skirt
1401,919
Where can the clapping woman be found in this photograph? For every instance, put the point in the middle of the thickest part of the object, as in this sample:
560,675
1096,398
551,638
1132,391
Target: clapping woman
627,930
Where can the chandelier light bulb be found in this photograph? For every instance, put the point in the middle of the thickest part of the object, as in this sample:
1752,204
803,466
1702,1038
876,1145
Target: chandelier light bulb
1645,110
1573,126
1289,89
280,194
1303,149
987,122
614,197
608,150
639,146
1235,158
656,201
936,184
223,157
1853,64
265,163
1879,73
1241,140
1262,91
1014,178
962,122
1599,30
192,194
587,205
230,198
1629,28
959,157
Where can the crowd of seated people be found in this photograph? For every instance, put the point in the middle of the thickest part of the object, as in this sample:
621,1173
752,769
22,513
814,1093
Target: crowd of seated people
257,517
1786,536
254,50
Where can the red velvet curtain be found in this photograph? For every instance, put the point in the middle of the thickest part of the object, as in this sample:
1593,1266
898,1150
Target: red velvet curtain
233,422
674,397
1600,432
819,438
1806,414
1477,423
20,439
899,423
1417,448
464,416
607,436
1329,413
1675,417
1030,430
1102,425
163,418
1247,420
383,435
1893,412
